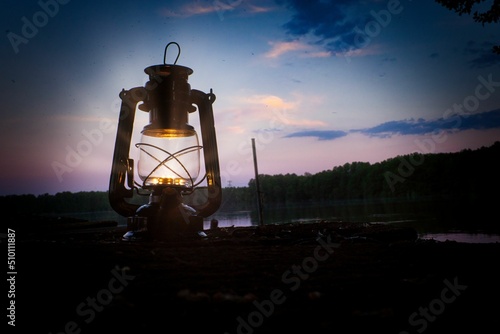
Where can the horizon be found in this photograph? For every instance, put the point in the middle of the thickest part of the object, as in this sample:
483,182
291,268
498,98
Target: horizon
261,174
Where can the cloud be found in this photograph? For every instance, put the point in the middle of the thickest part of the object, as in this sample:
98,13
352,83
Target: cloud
482,121
220,7
406,127
308,51
253,8
270,101
331,23
275,108
482,53
280,48
479,121
303,122
320,134
190,9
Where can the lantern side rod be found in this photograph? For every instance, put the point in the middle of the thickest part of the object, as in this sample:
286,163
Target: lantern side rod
204,102
122,167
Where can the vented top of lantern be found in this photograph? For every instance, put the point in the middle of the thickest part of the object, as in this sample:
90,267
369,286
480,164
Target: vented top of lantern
167,69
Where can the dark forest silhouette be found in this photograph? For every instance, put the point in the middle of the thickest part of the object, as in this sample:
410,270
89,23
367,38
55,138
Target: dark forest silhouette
465,175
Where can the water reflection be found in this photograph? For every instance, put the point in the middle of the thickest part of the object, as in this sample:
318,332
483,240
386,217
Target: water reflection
228,219
461,221
462,237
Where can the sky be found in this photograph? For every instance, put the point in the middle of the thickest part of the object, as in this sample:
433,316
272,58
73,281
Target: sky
316,84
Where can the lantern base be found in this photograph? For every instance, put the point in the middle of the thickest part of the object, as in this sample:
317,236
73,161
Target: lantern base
165,217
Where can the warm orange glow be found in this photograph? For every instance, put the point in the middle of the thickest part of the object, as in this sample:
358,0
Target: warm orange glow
168,181
168,133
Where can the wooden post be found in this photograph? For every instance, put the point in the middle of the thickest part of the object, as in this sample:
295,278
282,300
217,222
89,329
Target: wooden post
257,185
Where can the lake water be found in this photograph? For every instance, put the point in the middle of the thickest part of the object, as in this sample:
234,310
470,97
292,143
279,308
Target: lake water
438,220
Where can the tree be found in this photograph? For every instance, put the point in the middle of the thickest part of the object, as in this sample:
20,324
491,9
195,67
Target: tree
491,15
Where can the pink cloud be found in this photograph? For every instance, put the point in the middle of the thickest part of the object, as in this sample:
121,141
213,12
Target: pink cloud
219,7
280,48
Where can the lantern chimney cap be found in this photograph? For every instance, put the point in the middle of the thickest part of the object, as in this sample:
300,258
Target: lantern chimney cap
167,70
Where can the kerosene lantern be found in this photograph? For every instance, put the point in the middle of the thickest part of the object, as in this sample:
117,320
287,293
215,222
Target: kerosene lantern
169,156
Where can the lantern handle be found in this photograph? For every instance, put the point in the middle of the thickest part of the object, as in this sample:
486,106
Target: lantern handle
165,53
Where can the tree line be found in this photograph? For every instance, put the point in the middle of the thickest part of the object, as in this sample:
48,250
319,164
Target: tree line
468,174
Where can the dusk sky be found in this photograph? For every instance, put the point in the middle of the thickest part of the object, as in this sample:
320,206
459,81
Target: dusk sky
317,83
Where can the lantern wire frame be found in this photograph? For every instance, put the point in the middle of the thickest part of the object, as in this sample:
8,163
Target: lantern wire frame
163,163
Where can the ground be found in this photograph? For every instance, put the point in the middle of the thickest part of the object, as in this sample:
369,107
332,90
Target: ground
325,277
